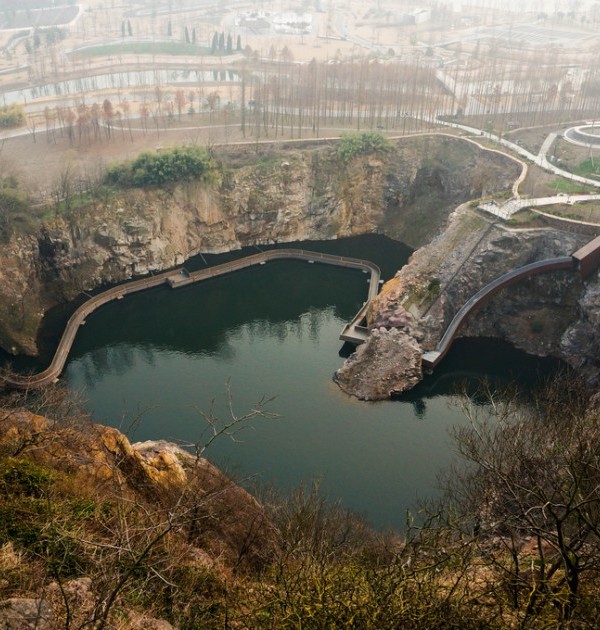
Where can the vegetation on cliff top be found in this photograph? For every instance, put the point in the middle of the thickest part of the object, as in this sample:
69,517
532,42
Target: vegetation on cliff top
352,145
11,116
13,206
514,542
178,164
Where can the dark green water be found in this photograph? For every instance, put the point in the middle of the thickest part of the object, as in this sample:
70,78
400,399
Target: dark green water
273,331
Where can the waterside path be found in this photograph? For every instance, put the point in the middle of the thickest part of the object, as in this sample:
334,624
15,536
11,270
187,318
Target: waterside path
352,332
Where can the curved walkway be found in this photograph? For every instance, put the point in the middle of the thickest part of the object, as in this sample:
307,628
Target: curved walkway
577,135
506,210
539,159
432,358
180,277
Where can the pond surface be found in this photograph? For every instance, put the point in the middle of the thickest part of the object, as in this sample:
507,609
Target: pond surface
157,359
117,81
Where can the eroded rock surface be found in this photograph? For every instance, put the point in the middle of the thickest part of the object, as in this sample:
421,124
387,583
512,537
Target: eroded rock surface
552,314
388,363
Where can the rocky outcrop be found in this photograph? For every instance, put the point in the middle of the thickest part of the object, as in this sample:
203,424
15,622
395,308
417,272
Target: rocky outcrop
256,198
109,517
160,474
388,363
20,613
553,314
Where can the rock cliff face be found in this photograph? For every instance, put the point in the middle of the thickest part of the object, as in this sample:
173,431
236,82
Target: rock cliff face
256,199
553,314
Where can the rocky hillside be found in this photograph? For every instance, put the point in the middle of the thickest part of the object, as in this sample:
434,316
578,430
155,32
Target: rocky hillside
84,512
554,314
254,198
98,533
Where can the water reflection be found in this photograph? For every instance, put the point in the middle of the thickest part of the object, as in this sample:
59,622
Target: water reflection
117,81
274,331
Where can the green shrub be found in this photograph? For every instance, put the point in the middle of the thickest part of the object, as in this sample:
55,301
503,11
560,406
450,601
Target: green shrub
21,477
11,116
433,286
537,326
354,144
13,206
157,169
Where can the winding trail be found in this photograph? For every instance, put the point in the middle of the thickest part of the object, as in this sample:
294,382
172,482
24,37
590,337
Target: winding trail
352,332
433,357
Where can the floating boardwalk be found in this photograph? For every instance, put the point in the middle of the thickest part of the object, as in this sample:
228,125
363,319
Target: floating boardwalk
585,260
352,332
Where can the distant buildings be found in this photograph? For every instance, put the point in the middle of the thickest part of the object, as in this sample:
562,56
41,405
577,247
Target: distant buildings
288,22
418,16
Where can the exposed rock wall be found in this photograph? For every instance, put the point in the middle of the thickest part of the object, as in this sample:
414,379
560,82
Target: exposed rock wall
255,199
553,314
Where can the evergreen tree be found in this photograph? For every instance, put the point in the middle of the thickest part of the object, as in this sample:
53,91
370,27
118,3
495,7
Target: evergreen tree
129,29
122,29
169,28
187,35
229,44
193,36
239,43
215,42
222,41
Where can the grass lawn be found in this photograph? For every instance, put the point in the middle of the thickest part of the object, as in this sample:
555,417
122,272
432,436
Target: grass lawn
560,185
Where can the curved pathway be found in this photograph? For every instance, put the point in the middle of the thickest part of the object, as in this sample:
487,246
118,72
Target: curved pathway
432,358
539,159
180,277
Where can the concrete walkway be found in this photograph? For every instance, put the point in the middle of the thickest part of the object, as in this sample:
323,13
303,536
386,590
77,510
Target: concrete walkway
512,206
539,159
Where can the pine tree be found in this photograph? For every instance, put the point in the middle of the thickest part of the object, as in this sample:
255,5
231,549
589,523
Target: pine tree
229,44
239,43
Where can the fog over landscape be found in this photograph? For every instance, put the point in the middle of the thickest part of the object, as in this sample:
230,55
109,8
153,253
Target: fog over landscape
299,314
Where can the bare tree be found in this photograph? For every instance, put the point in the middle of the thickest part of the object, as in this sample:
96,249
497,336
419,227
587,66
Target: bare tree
531,493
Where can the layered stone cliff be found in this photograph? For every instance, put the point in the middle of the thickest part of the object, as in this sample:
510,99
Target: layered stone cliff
553,314
256,198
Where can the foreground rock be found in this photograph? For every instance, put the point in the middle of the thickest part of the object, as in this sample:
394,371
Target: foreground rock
161,474
388,363
18,613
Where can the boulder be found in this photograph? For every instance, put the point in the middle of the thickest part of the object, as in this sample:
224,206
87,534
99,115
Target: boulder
388,363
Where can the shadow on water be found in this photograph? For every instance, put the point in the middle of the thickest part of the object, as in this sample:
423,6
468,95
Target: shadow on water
275,331
473,361
235,298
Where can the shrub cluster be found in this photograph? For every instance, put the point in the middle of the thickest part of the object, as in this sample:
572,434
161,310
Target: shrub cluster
156,169
11,116
354,144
